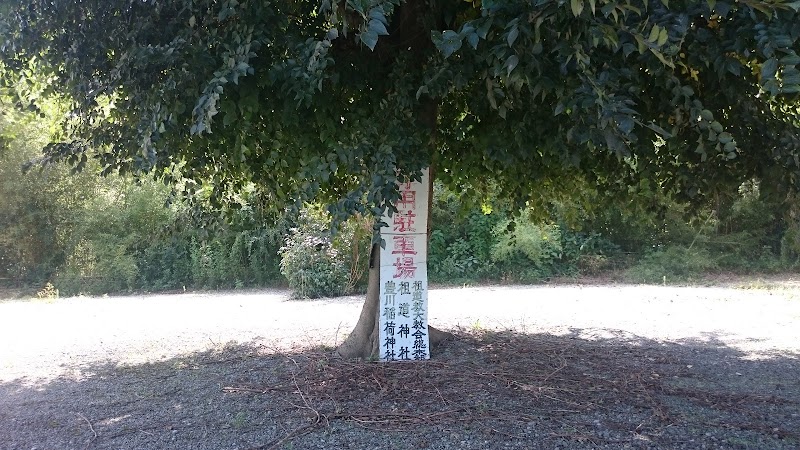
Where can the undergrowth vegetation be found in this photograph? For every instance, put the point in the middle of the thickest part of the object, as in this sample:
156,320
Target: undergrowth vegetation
84,234
318,262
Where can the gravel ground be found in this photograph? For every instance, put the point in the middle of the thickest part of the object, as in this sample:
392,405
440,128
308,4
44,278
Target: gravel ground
608,366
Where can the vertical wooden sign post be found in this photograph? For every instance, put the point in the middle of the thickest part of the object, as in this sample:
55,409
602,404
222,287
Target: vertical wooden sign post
404,276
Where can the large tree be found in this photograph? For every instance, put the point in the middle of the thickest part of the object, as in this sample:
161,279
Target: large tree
332,100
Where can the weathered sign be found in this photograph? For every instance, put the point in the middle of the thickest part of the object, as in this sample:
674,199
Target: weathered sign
404,276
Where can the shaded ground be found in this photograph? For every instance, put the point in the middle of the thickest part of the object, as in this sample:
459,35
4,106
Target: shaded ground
592,367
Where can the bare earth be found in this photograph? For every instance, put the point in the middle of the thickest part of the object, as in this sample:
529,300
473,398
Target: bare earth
571,366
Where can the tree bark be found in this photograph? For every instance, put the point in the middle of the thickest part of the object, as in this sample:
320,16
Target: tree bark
363,340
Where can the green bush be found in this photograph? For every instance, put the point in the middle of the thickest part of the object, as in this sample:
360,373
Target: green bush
529,252
37,208
587,253
166,263
98,266
675,263
354,239
467,246
458,262
461,241
317,264
790,245
115,225
210,264
261,246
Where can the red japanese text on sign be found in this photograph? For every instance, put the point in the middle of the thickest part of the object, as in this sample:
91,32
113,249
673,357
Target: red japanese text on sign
403,245
405,267
404,222
408,199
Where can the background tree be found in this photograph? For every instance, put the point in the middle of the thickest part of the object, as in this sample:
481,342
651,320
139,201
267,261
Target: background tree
310,100
33,210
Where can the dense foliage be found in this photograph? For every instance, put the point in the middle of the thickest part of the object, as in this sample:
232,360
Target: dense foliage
595,121
317,263
326,100
86,234
32,207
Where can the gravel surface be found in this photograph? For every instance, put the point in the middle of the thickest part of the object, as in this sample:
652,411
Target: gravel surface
609,366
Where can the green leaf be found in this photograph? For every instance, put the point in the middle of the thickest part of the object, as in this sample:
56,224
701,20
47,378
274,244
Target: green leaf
577,7
450,43
229,118
791,79
662,59
483,30
769,69
369,38
626,124
511,63
654,33
662,132
378,27
790,60
472,39
512,35
663,37
641,45
377,14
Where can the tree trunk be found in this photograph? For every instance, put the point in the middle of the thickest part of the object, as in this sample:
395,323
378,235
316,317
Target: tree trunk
363,340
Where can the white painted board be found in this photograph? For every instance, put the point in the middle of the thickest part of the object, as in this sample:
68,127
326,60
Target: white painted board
404,277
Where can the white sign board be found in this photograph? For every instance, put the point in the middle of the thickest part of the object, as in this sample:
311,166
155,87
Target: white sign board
404,276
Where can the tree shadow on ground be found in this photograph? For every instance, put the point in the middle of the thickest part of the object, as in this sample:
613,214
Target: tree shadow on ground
485,389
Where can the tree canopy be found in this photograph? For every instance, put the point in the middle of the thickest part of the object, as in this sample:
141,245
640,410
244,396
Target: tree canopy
307,99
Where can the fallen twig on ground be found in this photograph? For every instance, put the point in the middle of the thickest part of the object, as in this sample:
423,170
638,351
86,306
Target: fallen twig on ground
91,427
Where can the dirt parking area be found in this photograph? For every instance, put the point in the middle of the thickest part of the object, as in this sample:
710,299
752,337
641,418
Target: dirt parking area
568,366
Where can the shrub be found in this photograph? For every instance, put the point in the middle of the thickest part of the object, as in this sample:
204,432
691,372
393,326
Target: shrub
314,263
166,263
529,252
48,292
261,245
586,253
790,246
98,266
209,263
675,263
460,242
